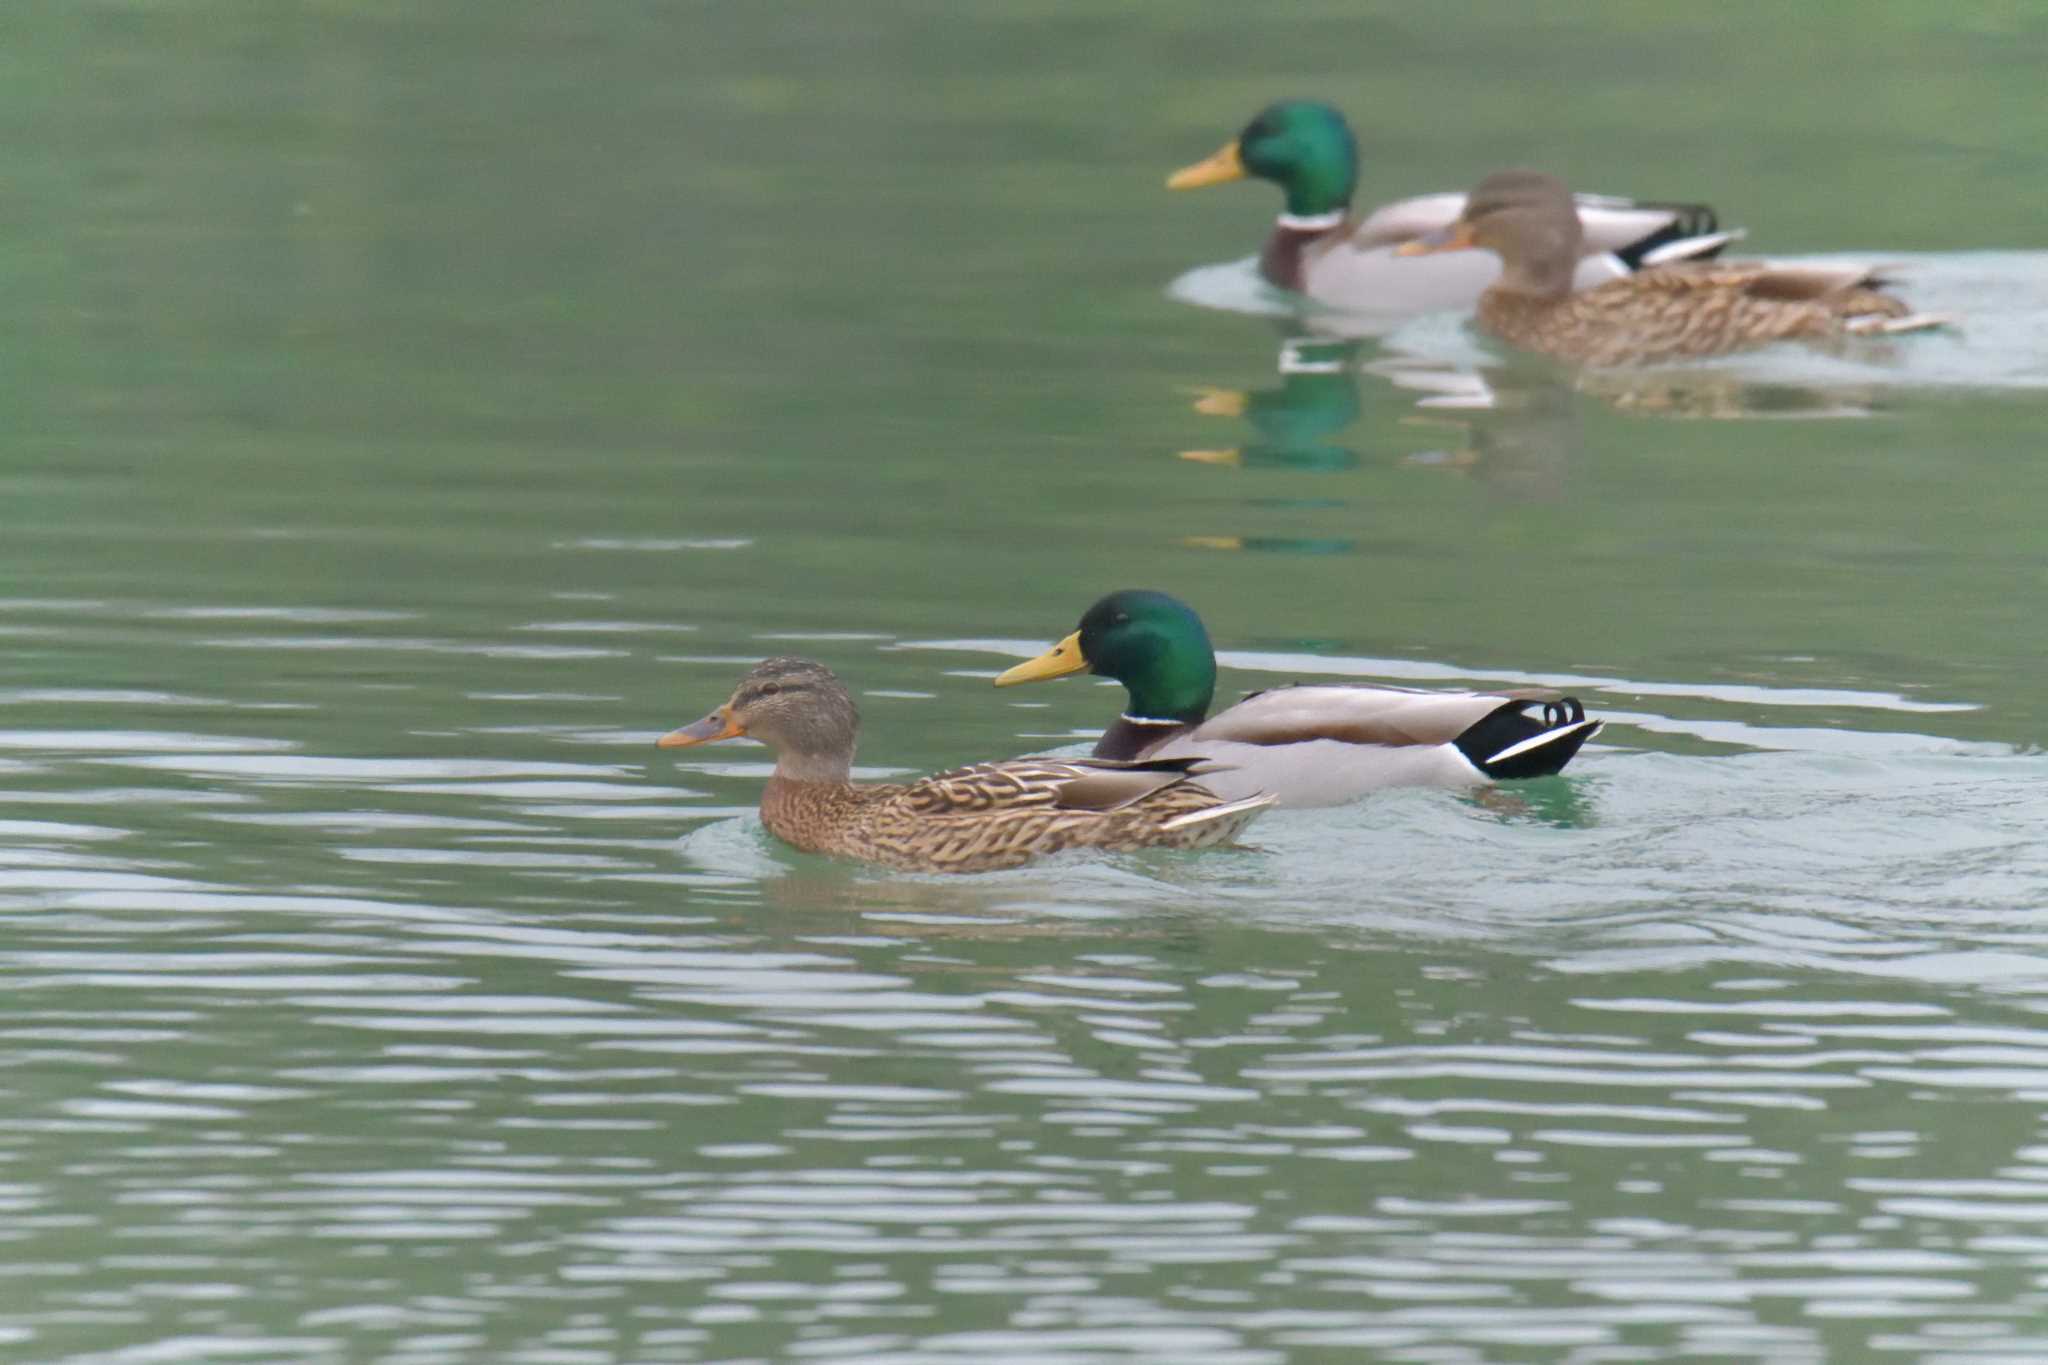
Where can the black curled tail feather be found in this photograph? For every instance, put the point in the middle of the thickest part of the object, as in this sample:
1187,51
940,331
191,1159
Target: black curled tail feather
1527,738
1687,220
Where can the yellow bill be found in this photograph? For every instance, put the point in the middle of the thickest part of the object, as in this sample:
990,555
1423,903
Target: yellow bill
1062,659
1227,165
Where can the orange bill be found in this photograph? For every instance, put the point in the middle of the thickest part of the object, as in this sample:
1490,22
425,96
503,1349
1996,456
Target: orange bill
720,724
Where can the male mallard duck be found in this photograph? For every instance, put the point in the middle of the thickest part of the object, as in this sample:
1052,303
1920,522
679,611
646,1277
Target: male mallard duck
1307,745
1666,312
972,819
1320,249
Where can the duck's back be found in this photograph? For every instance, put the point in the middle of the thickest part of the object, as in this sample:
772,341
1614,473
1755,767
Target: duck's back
996,815
1689,309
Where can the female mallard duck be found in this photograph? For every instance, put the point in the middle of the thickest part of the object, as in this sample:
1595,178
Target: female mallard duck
1306,745
972,819
1319,248
1667,312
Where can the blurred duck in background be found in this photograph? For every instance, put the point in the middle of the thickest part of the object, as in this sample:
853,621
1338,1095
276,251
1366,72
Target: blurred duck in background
1320,248
1678,311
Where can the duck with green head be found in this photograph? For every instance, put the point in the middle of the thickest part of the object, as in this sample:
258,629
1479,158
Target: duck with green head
1321,249
1307,745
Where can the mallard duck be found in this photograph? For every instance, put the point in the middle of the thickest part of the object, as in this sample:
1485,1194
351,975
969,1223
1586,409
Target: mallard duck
972,819
1666,312
1320,248
1305,745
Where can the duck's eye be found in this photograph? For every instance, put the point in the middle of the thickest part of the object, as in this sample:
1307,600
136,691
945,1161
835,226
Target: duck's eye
1122,618
770,689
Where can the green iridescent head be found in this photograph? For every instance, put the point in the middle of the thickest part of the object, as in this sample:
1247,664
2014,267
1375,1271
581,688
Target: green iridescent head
1303,146
1152,643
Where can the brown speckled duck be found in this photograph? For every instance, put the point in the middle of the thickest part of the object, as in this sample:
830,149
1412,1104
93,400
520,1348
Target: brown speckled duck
1668,312
972,819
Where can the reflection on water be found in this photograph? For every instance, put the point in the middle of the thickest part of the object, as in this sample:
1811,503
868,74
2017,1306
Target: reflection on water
1511,429
1296,421
1724,396
1519,446
1273,545
1512,432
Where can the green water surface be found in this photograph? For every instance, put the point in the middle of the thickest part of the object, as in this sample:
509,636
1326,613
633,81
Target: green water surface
412,411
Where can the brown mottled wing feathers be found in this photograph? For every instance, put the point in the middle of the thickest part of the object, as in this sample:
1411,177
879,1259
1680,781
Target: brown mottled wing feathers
992,815
1068,784
1695,308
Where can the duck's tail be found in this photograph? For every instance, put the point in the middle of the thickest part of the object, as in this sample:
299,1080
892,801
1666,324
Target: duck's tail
1225,820
1701,247
1876,325
1513,743
1688,232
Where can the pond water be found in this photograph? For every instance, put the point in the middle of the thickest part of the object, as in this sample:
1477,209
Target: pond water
413,415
